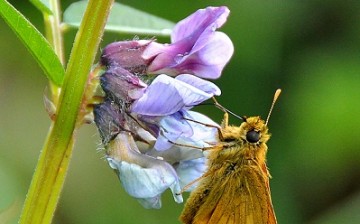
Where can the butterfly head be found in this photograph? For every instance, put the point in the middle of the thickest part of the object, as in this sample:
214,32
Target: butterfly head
254,130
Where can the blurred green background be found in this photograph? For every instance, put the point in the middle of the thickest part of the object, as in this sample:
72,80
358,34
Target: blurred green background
310,49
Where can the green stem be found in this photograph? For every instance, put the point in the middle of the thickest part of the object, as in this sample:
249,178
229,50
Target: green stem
49,176
54,35
53,29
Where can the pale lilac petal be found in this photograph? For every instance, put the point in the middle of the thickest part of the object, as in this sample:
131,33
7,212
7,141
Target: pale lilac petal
154,202
188,133
203,135
189,37
171,128
142,176
166,96
206,58
151,123
153,49
202,132
147,183
162,144
218,51
139,182
159,99
191,170
192,26
176,153
209,61
176,123
199,83
168,57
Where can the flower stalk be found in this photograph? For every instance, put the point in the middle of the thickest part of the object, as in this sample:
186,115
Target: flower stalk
54,35
50,173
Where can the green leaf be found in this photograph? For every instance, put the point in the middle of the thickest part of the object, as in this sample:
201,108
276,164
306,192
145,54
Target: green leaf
42,5
123,19
34,41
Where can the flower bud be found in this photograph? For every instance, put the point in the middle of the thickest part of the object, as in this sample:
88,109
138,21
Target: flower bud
121,85
109,120
126,54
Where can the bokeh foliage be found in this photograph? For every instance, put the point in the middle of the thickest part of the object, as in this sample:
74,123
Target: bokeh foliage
310,49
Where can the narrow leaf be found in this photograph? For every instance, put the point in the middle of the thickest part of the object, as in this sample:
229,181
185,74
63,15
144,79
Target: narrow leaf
123,19
42,5
34,41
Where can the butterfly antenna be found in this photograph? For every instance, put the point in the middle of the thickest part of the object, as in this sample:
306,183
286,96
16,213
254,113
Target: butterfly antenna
221,107
276,96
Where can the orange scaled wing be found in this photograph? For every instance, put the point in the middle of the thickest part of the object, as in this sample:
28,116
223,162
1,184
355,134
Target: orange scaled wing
239,197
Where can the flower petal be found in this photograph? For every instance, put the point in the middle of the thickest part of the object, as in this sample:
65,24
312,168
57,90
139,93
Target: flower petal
147,183
192,26
167,58
203,135
199,83
153,49
171,128
211,59
191,170
189,37
187,133
166,96
142,176
154,202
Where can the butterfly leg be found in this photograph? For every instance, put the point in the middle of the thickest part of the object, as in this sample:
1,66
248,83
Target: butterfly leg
217,146
225,122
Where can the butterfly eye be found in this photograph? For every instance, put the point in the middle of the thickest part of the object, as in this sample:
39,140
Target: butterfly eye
252,136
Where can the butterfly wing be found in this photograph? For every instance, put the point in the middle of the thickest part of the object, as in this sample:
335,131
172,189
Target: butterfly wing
251,203
239,197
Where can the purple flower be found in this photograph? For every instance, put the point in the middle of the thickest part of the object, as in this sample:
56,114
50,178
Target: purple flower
165,103
196,47
146,173
189,162
139,132
162,106
145,122
147,163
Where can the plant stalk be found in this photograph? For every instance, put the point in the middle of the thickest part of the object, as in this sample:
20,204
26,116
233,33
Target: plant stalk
54,35
53,164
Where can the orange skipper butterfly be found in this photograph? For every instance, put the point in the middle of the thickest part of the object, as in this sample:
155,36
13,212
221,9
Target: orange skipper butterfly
235,189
